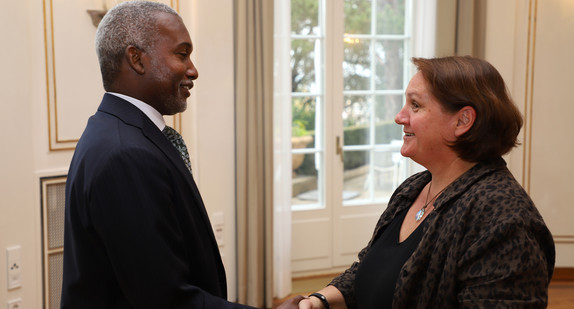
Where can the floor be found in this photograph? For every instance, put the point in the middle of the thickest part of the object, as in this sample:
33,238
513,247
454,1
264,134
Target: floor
561,293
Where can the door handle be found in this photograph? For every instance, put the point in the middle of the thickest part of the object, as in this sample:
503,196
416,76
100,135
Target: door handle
339,149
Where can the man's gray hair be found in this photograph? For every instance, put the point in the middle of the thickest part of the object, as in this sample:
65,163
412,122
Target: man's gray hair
128,23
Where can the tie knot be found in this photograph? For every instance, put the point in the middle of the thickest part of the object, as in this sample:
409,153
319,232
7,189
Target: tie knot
171,134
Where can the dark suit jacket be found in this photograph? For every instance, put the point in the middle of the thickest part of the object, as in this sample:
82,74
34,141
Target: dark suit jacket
137,234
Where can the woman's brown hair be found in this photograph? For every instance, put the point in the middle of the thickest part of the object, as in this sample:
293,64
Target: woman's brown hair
459,81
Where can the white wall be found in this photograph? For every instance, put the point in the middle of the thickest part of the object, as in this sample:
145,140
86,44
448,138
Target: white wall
551,108
19,207
209,123
530,44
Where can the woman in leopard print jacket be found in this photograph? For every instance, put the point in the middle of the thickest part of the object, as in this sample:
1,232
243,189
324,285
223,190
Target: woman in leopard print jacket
463,233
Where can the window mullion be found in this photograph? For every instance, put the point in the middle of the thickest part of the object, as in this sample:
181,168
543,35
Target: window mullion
371,100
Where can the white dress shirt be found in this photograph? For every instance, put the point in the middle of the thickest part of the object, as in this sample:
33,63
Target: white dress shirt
147,109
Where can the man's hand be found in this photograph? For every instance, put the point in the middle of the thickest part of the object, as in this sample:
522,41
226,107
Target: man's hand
291,303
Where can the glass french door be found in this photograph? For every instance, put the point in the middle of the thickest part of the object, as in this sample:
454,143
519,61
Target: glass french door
349,69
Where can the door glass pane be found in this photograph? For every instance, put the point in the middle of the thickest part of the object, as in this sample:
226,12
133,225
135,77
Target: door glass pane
356,64
305,17
385,172
357,120
356,176
358,16
304,53
390,16
389,60
305,180
386,107
371,176
304,118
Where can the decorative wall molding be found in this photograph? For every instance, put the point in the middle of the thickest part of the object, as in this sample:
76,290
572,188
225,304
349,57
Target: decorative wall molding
563,239
545,166
529,93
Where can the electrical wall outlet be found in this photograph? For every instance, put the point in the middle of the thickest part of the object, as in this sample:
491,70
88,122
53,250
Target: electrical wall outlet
15,303
14,267
218,221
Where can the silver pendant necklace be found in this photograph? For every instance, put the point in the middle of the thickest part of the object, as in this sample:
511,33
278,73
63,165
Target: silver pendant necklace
419,215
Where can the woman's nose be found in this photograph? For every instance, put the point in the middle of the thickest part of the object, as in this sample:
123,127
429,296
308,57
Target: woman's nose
399,117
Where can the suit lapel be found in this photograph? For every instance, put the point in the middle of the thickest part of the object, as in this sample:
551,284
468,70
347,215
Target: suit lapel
131,115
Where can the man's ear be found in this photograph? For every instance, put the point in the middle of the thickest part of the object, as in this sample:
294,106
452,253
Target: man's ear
465,120
134,59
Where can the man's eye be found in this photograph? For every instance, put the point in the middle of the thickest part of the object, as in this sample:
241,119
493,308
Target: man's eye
183,53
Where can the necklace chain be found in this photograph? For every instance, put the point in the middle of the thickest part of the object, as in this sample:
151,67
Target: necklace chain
419,215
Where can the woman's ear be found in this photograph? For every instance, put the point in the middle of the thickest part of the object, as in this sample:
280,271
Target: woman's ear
134,59
466,117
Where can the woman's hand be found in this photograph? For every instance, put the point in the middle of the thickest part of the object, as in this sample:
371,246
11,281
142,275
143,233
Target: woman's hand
301,302
334,296
310,303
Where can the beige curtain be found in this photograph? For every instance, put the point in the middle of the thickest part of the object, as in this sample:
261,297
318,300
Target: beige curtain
254,113
470,27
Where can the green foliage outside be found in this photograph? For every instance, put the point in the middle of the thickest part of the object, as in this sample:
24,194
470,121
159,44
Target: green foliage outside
303,115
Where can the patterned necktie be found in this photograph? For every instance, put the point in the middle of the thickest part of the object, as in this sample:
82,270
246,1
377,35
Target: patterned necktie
177,141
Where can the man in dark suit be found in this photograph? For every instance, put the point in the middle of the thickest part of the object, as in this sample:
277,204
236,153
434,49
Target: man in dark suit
137,234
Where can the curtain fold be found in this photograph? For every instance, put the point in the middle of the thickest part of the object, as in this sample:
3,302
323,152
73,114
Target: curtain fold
253,44
470,27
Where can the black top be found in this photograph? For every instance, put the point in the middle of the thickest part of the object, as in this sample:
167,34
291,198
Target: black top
377,274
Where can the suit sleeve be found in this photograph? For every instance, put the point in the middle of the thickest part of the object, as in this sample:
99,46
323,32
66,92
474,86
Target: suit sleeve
132,212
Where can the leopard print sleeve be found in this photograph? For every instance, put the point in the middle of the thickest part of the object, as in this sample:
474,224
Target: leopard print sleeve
509,262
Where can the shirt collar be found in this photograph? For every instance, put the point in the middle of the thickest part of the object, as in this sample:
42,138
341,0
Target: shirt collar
147,109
